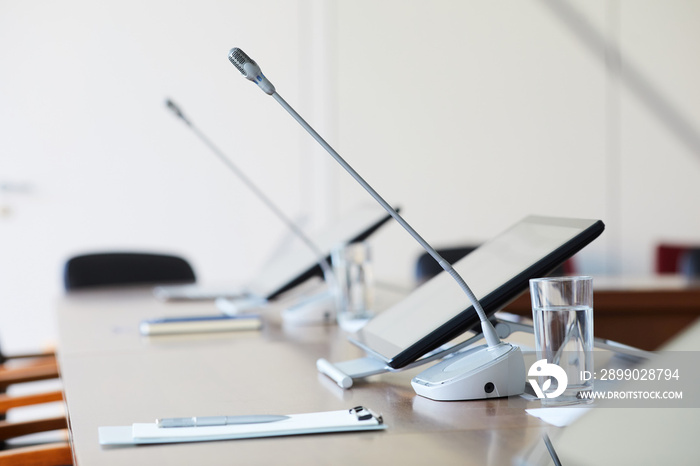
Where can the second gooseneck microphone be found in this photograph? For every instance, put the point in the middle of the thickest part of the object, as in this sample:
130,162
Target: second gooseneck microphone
320,257
252,72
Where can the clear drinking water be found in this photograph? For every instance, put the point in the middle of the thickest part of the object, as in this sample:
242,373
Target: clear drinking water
564,336
562,314
352,266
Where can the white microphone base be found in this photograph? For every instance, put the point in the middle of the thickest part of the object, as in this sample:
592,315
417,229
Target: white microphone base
478,373
240,306
318,309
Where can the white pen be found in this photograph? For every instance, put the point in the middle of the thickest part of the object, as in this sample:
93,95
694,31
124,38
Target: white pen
205,421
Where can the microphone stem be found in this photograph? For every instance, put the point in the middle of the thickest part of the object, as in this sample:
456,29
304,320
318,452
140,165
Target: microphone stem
486,327
320,257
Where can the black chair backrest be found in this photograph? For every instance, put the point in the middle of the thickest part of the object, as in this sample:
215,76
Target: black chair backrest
689,263
427,267
125,268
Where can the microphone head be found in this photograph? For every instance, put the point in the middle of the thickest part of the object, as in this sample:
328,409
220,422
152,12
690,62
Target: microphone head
172,106
239,58
250,69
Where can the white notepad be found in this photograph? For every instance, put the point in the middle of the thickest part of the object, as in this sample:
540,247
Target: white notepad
295,424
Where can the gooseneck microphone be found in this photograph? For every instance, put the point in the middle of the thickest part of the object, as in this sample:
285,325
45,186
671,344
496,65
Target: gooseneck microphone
250,69
320,257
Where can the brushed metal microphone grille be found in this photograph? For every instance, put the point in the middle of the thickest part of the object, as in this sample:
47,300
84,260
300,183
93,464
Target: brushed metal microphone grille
239,58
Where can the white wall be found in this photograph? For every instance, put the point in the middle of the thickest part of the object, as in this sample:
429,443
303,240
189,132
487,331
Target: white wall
82,93
474,114
469,115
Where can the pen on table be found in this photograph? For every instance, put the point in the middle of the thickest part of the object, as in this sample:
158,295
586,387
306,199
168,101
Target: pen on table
206,421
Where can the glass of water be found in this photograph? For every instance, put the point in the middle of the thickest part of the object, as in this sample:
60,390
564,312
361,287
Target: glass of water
352,266
562,311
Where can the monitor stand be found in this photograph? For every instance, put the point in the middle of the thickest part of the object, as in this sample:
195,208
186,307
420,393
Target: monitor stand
345,373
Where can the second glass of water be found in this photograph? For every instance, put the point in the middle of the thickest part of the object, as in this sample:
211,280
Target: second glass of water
352,266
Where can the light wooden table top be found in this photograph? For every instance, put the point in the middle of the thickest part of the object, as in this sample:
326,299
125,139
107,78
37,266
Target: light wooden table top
113,376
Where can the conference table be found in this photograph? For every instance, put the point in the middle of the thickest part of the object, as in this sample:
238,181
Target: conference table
113,376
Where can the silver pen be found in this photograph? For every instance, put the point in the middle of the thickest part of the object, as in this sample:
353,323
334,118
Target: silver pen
205,421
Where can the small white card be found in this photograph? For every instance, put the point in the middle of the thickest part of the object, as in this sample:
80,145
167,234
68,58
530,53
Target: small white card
560,417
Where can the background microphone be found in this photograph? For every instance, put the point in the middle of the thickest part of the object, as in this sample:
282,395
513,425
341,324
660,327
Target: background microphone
328,274
252,72
176,110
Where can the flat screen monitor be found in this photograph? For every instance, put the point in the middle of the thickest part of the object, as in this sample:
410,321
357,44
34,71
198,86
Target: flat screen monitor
497,272
297,263
292,265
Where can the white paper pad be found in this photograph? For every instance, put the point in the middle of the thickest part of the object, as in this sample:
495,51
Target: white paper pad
296,424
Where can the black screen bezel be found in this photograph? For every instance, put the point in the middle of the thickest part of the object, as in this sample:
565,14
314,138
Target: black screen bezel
492,302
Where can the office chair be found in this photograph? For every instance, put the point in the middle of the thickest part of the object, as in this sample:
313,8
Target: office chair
42,367
48,454
125,268
84,271
17,369
52,454
689,263
668,257
32,368
678,259
427,267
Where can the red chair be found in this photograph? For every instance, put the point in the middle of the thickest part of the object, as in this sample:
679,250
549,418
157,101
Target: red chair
668,257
